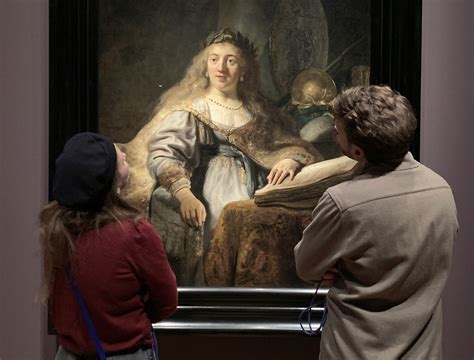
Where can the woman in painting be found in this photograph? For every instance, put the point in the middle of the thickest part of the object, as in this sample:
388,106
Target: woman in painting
217,139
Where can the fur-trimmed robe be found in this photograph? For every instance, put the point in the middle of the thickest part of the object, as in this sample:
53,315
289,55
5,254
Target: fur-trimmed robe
265,142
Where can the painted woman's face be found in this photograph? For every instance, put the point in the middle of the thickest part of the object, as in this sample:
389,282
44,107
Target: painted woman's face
224,66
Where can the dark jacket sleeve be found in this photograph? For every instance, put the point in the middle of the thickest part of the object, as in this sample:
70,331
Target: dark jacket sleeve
155,273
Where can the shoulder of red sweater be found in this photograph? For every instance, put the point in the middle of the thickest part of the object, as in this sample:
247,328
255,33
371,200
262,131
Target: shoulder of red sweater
142,227
128,225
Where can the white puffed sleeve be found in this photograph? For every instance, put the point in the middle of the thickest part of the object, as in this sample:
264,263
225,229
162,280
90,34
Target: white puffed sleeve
173,151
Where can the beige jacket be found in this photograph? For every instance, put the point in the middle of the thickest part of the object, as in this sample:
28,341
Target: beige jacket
391,238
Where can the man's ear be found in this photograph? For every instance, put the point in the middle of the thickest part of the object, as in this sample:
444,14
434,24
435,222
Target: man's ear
358,153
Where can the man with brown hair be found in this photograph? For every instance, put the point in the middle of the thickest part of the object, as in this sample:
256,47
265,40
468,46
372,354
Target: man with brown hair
385,237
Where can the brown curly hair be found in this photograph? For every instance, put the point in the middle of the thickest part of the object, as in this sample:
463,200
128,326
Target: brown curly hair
380,121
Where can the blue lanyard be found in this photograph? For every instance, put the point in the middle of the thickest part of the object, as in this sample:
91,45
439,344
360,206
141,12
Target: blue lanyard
85,314
154,346
308,310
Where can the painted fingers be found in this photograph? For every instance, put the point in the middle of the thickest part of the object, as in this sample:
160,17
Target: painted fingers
193,211
281,170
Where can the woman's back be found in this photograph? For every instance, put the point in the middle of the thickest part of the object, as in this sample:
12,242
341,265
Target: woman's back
125,279
104,264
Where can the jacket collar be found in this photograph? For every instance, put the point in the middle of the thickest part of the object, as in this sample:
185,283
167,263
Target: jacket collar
408,162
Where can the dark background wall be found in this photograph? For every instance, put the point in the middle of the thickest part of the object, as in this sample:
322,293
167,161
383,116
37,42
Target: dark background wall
446,146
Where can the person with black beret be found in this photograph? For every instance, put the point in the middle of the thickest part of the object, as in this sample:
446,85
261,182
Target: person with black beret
97,241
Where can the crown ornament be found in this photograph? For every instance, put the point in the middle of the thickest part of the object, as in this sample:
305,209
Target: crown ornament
233,37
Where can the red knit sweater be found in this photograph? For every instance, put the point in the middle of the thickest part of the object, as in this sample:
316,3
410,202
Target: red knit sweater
125,279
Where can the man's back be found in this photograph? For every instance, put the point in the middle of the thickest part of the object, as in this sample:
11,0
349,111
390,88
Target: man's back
393,246
395,263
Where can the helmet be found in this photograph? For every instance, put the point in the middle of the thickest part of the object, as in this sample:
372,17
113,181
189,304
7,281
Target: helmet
312,87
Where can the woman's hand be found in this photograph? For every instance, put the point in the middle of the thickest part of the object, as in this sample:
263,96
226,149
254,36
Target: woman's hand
192,210
282,169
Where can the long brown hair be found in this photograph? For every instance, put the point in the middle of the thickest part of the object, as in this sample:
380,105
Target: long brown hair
60,226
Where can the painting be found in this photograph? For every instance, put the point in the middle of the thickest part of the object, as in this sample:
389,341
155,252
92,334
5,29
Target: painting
305,51
111,62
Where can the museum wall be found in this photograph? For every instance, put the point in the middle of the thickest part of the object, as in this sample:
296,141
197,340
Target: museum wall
445,146
447,92
23,175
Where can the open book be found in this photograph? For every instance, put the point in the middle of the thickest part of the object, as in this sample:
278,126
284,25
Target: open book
304,191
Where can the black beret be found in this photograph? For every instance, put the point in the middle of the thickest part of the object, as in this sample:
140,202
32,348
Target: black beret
85,172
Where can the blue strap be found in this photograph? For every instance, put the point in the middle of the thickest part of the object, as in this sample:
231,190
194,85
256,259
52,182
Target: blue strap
85,314
308,311
154,346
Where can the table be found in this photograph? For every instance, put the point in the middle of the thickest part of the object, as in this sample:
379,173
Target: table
253,246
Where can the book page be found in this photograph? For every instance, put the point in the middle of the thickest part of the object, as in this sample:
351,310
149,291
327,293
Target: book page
312,174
